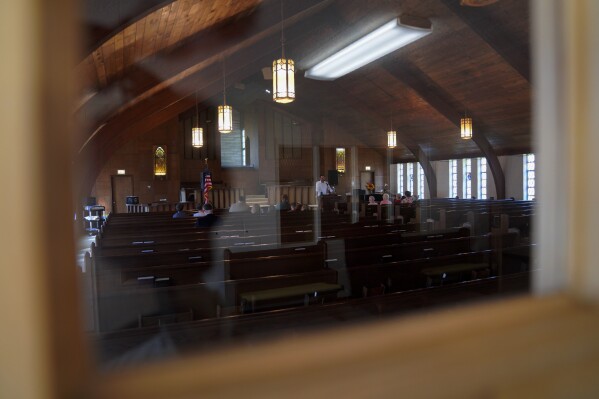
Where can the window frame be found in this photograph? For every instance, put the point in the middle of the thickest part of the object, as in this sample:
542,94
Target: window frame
42,334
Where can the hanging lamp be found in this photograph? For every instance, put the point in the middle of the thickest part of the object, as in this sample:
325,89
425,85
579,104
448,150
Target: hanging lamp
225,112
391,137
466,127
197,133
283,70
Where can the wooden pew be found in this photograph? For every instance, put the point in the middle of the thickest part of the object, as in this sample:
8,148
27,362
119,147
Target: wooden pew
122,309
251,328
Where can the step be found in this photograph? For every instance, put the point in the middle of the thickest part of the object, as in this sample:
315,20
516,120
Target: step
259,201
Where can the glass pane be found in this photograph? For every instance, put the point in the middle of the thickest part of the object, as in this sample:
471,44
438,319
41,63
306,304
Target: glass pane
164,280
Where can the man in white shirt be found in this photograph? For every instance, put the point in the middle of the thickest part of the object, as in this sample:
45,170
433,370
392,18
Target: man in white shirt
240,206
322,187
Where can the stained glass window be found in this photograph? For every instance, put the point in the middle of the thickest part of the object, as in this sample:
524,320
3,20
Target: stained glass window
160,161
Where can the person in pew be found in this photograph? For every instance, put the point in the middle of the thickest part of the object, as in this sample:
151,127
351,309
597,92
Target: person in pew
386,200
240,206
208,219
284,205
255,209
407,199
180,213
371,201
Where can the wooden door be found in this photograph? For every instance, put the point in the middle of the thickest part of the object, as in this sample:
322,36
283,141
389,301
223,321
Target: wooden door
122,187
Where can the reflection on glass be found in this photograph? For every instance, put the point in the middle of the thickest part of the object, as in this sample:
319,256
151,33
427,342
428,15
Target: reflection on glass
220,253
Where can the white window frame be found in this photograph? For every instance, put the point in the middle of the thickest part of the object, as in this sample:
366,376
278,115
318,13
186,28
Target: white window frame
400,178
420,182
410,177
453,178
529,178
482,178
467,177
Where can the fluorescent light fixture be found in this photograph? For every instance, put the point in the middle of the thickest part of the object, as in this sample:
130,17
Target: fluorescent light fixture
378,43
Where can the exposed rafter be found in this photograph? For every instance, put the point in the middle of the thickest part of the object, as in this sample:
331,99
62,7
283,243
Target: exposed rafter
442,102
479,20
260,37
356,104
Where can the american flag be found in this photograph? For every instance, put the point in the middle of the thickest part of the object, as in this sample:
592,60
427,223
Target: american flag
207,183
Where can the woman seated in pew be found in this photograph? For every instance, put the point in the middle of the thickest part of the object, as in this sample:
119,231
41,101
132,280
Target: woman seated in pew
371,201
407,198
386,200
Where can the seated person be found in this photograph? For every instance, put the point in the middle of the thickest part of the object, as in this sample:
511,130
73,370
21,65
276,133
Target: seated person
208,218
284,204
180,213
385,200
371,201
408,197
255,209
240,206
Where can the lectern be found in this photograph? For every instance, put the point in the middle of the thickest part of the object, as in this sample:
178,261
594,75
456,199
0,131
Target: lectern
327,202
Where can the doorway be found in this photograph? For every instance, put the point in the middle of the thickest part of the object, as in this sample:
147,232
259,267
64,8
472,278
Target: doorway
122,187
366,176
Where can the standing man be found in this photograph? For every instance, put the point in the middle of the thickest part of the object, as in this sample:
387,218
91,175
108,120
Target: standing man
322,187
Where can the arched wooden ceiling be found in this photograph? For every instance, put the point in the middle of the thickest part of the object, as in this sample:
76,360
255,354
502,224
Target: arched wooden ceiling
477,59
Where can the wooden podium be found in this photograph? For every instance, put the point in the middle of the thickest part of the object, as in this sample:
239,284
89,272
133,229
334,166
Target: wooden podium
327,202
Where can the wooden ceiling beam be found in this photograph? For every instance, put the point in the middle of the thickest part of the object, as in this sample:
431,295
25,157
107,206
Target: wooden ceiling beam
446,105
481,22
147,112
102,19
260,36
352,102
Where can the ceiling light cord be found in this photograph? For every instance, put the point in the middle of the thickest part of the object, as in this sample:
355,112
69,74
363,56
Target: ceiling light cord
224,82
282,32
197,112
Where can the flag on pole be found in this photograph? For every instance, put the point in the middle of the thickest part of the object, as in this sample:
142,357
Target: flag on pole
206,182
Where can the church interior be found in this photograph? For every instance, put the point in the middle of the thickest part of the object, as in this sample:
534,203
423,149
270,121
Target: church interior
301,198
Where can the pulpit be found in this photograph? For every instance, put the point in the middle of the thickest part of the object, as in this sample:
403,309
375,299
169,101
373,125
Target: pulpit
327,202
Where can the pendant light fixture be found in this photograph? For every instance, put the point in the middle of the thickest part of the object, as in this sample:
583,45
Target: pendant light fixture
197,133
225,112
391,137
466,127
283,70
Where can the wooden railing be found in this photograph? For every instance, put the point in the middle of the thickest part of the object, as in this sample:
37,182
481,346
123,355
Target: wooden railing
301,194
